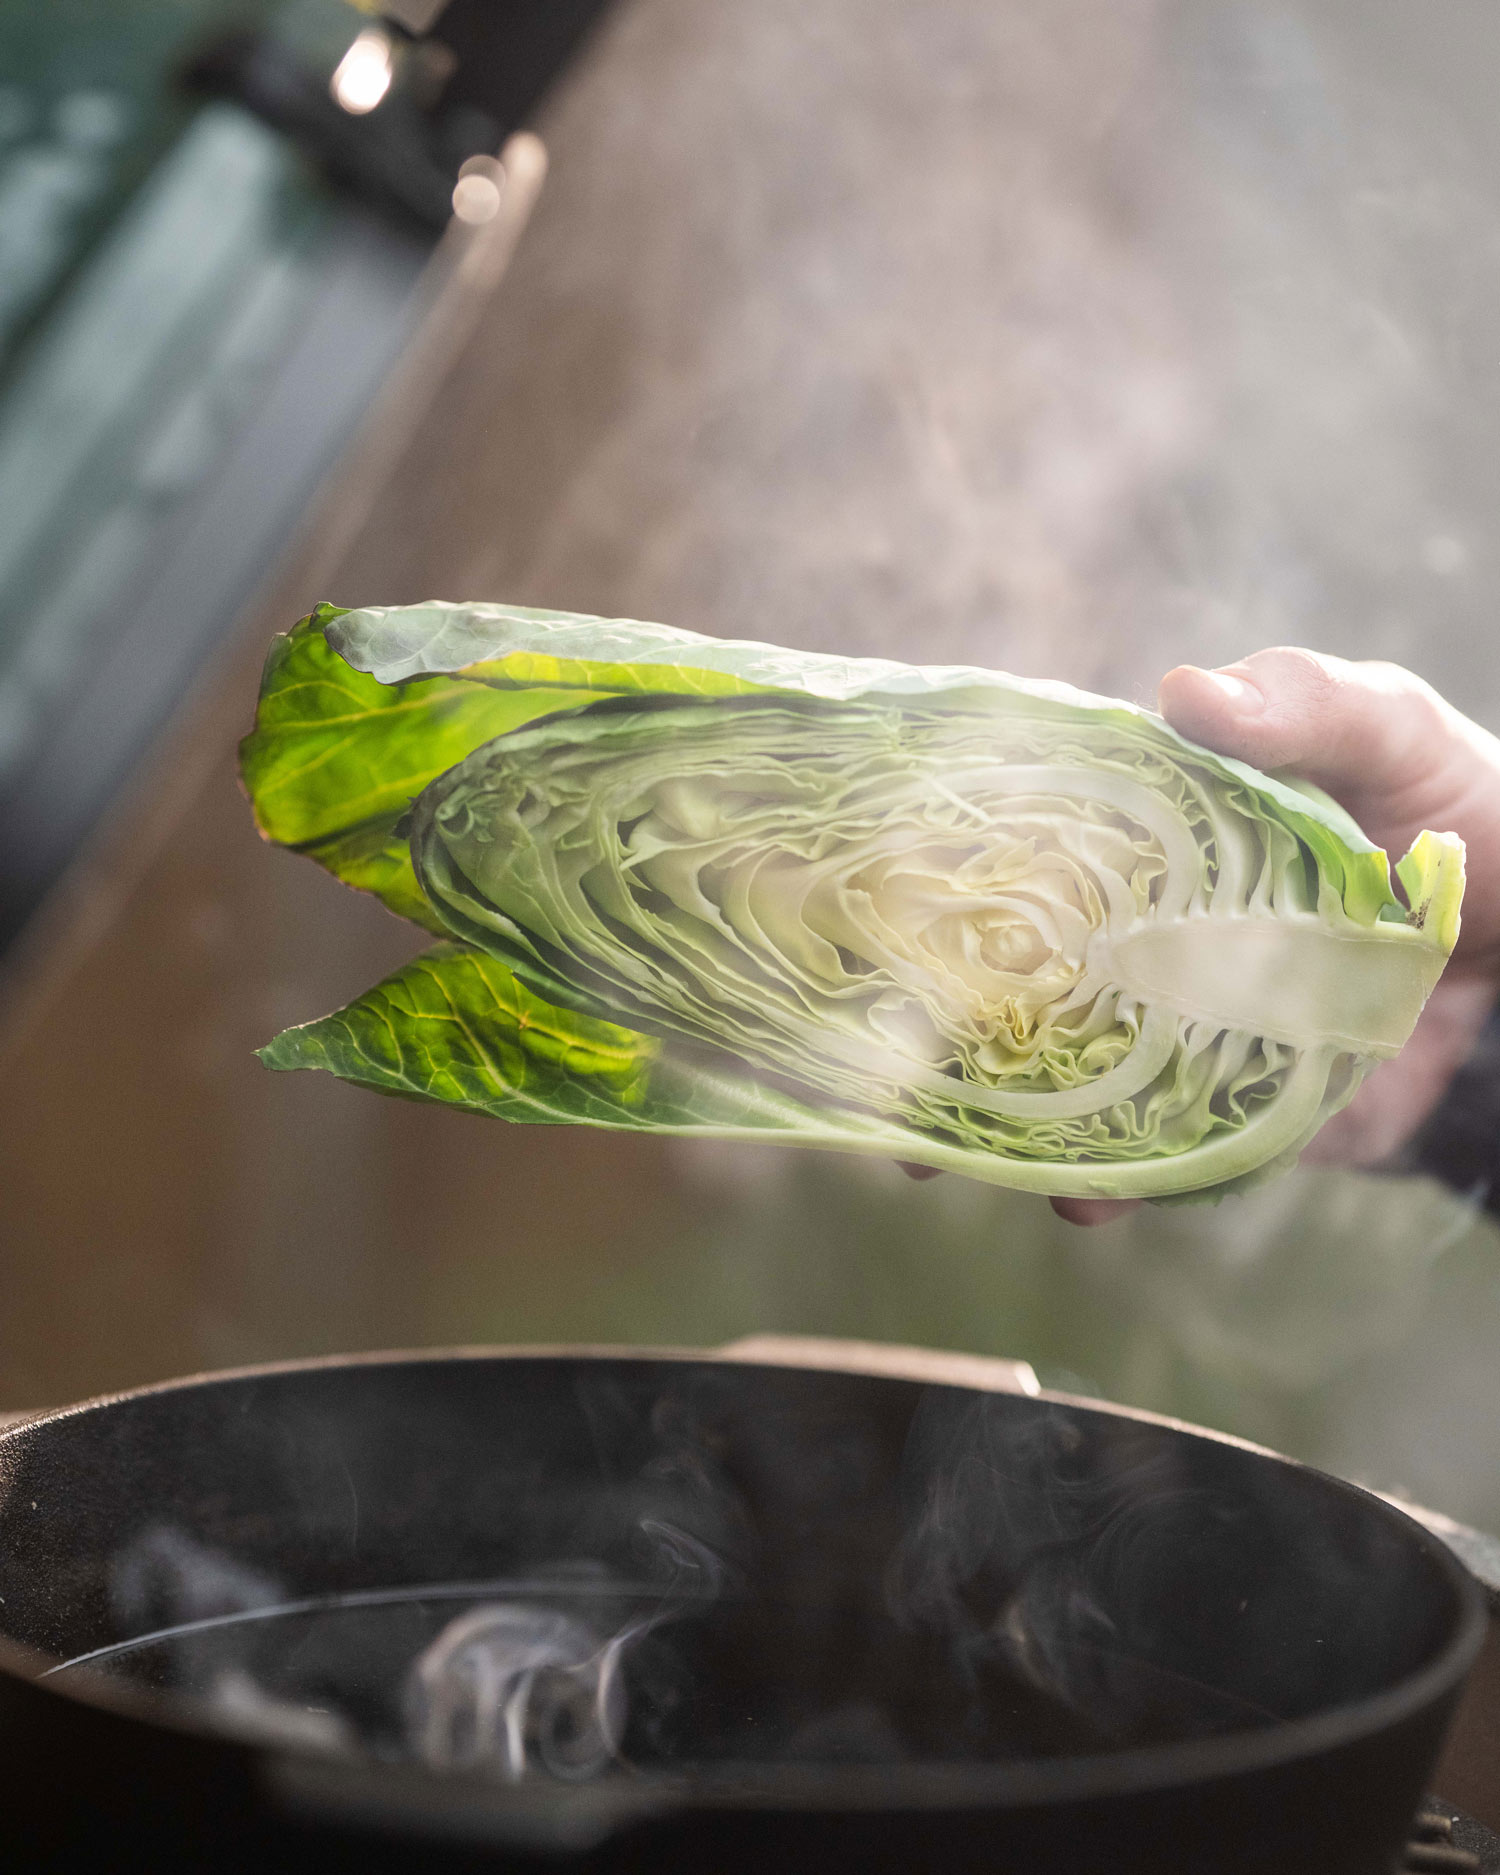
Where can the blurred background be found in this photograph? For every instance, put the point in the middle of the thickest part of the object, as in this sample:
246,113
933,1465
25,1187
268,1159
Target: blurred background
1079,340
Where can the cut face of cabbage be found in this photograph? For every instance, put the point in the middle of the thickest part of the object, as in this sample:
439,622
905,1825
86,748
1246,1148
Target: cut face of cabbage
997,927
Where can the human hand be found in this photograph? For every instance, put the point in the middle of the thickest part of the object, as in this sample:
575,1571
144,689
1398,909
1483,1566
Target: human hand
1400,758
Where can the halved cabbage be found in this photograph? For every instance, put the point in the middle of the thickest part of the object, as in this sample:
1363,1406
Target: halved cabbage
1000,927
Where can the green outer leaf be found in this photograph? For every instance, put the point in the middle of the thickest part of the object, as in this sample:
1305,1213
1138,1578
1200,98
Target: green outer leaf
526,668
456,1027
397,644
375,858
336,757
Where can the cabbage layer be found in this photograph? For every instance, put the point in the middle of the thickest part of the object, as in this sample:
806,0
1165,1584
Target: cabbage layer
705,887
1087,952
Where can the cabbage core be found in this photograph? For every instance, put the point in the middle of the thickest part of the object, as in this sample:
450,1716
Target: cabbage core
1085,955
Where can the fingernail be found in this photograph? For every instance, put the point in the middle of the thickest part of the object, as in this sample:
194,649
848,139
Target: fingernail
1242,695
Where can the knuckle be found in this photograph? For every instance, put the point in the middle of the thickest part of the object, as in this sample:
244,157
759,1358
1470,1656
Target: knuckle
1298,679
1414,693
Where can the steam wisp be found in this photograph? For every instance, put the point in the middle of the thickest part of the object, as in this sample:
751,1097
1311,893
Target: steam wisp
516,1686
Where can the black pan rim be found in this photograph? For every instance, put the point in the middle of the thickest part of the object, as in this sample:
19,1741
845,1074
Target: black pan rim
1021,1784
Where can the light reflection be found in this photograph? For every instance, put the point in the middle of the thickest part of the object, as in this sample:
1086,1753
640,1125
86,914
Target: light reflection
476,194
364,73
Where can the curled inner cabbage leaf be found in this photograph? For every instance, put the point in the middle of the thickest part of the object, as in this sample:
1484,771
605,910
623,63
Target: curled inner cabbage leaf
997,927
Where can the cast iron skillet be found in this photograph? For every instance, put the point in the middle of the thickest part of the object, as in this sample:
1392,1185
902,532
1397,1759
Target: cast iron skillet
786,1619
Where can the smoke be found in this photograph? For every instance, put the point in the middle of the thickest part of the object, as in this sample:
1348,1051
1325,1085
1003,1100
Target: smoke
1032,1560
1079,341
166,1582
903,380
165,1578
986,1557
531,1679
509,1685
765,1568
512,1687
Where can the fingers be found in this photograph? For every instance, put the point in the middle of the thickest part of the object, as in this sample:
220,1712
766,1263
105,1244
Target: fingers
1382,742
1085,1211
1374,729
1090,1211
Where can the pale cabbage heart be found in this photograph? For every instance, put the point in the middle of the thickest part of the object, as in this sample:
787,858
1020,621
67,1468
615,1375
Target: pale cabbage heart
725,889
1044,954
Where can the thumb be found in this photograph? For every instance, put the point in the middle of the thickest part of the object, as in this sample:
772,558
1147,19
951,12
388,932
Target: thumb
1380,741
1370,731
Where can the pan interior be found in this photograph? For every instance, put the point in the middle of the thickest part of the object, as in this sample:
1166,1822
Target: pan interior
568,1569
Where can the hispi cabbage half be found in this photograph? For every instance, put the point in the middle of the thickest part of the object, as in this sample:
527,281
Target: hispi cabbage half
939,914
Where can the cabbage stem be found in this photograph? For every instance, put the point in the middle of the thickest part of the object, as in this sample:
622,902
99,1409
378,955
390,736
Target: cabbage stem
1286,978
